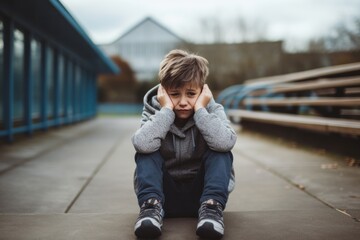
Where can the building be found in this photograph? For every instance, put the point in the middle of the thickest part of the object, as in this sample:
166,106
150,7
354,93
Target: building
231,63
143,47
48,67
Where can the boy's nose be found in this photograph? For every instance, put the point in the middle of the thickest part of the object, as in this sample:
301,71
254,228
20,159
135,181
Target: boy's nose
183,101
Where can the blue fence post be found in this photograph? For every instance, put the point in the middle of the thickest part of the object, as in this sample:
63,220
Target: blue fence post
95,93
73,92
77,93
28,82
81,94
56,87
8,78
44,84
66,90
87,94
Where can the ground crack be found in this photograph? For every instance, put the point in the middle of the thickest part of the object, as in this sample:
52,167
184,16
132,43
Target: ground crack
97,169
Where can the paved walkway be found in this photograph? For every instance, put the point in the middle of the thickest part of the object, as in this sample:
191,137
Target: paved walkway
76,183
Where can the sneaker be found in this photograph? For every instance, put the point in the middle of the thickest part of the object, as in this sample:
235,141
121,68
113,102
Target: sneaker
211,222
149,222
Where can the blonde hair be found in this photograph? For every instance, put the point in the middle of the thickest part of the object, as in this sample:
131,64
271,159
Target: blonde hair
180,67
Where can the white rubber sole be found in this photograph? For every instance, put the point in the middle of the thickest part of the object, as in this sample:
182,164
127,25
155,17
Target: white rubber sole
208,228
147,228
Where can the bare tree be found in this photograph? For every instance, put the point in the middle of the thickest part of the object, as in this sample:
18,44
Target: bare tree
243,29
215,30
254,30
259,30
350,33
316,45
212,29
344,36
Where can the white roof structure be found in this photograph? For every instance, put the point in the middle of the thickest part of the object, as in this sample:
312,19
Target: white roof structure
143,47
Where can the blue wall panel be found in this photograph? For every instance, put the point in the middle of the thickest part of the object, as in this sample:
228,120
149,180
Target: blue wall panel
43,82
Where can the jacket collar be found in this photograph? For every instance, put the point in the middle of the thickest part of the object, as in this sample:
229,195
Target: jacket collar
180,132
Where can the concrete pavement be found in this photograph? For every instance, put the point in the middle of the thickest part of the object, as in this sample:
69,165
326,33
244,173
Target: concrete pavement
76,183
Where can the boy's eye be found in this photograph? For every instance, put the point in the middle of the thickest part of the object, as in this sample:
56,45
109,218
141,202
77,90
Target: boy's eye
191,93
174,94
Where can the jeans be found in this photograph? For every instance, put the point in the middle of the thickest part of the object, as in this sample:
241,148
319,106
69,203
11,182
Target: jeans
183,198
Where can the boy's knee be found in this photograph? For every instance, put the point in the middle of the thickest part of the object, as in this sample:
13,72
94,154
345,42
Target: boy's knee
211,154
154,156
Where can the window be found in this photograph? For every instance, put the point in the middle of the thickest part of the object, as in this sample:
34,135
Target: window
1,70
36,76
19,84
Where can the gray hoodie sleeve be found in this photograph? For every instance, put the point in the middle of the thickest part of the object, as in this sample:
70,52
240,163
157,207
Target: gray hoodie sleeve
154,127
215,127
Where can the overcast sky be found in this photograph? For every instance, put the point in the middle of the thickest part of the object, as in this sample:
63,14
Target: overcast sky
294,21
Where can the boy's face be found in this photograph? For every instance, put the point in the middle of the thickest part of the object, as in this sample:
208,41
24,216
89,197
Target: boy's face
184,99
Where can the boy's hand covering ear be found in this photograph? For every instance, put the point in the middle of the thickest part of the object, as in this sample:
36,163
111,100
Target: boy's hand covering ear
204,98
164,98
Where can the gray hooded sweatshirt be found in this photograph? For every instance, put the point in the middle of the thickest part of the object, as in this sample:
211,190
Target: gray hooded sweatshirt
183,148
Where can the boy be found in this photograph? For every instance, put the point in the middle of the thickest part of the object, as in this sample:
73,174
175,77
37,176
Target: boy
183,158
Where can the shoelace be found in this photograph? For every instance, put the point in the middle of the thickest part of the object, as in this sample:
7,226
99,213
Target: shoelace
212,211
150,210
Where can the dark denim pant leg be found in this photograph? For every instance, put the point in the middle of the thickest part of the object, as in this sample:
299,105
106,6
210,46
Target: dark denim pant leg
217,167
183,198
149,176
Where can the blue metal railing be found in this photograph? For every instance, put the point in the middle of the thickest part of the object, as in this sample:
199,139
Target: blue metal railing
239,97
232,97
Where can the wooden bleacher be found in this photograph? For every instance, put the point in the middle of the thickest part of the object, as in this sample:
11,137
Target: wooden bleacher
325,100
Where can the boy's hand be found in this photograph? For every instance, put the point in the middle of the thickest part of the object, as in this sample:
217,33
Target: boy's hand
204,98
164,98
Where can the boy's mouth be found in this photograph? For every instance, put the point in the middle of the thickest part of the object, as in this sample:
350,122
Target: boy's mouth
183,110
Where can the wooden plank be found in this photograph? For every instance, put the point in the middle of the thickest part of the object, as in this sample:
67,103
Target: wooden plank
303,101
313,85
307,75
350,112
352,91
351,127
